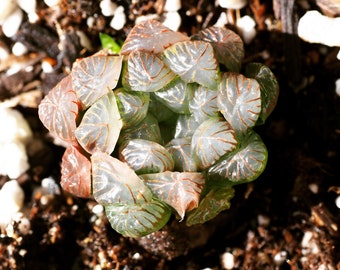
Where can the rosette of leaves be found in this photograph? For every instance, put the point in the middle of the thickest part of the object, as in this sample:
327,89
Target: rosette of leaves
165,126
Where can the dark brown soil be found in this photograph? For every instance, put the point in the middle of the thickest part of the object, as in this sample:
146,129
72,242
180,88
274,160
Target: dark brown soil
270,217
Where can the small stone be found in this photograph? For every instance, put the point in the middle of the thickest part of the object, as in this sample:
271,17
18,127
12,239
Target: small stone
172,20
337,87
19,49
246,25
280,257
227,260
232,4
337,201
12,23
119,19
172,5
108,8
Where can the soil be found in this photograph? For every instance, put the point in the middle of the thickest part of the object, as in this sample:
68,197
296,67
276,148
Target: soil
286,219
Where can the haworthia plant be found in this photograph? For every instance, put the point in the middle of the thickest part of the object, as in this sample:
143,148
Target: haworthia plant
163,125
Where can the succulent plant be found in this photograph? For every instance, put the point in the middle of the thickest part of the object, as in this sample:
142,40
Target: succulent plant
163,127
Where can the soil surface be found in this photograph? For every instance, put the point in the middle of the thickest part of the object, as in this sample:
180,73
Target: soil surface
286,219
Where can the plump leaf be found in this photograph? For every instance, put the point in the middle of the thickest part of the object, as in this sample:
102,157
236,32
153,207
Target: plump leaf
147,129
211,140
58,111
269,88
185,126
216,200
151,36
100,126
159,110
137,220
133,106
245,165
180,149
76,172
146,157
204,104
239,100
95,76
109,43
193,61
146,72
228,46
114,182
181,190
176,96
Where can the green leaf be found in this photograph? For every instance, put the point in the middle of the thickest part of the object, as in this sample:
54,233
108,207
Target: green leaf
114,182
147,129
269,88
185,126
228,46
180,149
109,43
100,126
204,104
176,96
146,157
215,201
243,165
193,61
211,140
137,220
239,100
133,106
146,72
181,190
95,76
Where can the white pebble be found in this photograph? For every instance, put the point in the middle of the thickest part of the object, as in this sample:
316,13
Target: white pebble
16,125
107,7
90,21
222,20
263,220
337,87
172,5
337,201
246,24
19,49
52,3
232,4
84,40
50,186
227,261
28,6
314,188
13,159
338,55
12,23
46,66
172,20
98,209
280,257
119,19
4,51
11,200
317,28
7,7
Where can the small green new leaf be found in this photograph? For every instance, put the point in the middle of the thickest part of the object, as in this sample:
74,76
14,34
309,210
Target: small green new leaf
109,43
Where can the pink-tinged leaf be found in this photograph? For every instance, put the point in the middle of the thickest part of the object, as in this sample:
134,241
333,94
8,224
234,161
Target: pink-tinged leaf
76,173
95,76
151,36
146,72
239,100
228,46
145,156
58,111
211,140
100,126
181,190
193,61
114,182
